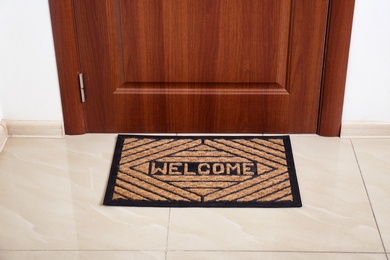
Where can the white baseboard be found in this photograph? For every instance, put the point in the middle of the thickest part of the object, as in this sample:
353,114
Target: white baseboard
365,130
3,135
44,129
55,129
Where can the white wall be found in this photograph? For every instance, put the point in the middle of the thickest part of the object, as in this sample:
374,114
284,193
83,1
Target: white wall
28,76
368,80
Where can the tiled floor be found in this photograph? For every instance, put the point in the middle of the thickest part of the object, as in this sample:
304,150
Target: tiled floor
51,192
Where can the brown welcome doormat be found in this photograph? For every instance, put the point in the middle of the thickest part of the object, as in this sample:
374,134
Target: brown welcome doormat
194,171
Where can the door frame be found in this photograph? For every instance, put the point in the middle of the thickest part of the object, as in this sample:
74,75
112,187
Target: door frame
337,42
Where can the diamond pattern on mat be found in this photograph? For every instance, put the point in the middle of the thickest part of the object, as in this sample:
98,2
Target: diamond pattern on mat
263,175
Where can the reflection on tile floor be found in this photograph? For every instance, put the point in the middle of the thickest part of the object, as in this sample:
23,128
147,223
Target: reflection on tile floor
51,192
374,162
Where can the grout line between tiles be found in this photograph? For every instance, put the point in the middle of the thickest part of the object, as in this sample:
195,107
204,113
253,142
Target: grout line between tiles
211,251
207,251
168,227
369,199
81,250
269,251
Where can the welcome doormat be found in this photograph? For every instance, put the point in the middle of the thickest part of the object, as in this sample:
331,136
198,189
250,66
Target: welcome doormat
195,171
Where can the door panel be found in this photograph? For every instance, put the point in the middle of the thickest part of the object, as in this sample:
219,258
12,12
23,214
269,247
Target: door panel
205,41
201,66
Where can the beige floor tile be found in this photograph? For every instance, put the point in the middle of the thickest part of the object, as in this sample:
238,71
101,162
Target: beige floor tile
336,215
374,160
39,255
192,255
51,194
82,255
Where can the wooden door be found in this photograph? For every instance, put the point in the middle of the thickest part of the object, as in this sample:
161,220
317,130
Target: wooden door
202,66
227,66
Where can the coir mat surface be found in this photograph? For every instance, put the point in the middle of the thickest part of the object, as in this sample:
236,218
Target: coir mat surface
203,171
